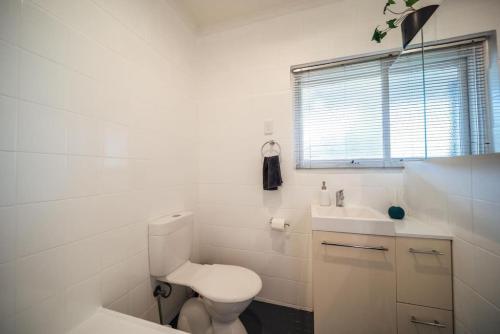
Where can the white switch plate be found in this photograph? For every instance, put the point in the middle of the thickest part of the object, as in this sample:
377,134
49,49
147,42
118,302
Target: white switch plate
268,127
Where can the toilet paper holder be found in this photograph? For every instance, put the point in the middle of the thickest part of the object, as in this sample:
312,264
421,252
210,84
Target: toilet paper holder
271,220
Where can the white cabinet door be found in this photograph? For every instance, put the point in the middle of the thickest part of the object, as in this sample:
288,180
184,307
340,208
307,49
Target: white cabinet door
354,283
413,319
424,272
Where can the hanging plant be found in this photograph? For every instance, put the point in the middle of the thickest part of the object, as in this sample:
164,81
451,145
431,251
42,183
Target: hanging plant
393,23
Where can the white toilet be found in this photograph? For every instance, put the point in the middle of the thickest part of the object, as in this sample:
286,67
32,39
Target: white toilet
225,290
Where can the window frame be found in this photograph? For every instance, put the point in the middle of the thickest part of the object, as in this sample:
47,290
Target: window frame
392,55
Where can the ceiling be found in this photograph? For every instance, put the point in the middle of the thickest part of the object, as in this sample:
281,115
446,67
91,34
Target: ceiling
211,14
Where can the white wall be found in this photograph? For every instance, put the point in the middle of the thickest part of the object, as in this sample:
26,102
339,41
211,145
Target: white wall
97,136
245,80
464,194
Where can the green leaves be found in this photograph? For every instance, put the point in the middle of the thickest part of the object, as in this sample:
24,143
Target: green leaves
390,2
392,23
410,3
378,35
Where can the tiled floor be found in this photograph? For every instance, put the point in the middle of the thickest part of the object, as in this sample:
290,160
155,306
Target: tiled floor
264,318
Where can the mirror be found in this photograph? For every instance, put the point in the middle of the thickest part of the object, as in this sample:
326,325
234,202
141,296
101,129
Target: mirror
446,83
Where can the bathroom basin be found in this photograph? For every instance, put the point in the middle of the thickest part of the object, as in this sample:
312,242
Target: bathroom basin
351,219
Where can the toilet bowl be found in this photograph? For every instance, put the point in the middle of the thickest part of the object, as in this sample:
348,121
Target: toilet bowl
225,291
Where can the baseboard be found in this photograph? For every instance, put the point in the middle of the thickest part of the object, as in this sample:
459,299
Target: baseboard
297,307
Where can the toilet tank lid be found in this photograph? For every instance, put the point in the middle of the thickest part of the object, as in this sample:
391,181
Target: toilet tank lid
170,223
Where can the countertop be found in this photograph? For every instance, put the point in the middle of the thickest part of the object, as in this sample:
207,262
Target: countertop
373,222
414,228
105,321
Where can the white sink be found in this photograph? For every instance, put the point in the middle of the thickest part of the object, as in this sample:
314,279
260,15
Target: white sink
351,219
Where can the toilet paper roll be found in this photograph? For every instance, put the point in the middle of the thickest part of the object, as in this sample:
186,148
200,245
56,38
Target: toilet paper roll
278,224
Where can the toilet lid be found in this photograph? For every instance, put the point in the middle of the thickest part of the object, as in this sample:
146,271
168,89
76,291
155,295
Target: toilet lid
229,284
218,282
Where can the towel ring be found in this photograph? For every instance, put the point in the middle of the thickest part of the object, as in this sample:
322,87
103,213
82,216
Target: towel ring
270,143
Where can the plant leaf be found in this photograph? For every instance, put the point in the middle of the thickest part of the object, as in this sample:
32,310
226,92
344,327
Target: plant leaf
378,35
389,2
392,23
410,3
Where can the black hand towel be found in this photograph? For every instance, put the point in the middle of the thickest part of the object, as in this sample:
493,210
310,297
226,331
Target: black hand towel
271,173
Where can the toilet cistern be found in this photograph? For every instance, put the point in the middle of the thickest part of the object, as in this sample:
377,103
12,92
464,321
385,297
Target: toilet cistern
339,198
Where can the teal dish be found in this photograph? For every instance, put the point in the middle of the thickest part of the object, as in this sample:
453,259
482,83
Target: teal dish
396,212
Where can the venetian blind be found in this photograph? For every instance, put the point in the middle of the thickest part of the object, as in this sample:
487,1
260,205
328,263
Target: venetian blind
380,111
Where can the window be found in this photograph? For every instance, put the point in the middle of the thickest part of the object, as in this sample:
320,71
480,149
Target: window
380,111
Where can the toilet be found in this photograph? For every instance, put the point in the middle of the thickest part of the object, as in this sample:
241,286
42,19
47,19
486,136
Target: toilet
225,291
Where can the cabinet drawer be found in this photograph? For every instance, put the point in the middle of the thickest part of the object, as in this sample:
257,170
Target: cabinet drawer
414,319
424,272
354,280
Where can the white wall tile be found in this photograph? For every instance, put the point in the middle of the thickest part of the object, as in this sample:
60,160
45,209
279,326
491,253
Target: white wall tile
486,228
121,305
115,175
82,218
33,83
66,87
49,181
9,61
10,11
84,176
45,317
40,226
114,283
8,229
83,95
486,178
116,141
47,267
487,271
8,123
42,34
41,129
7,178
463,261
138,269
81,302
84,135
141,298
82,260
460,216
7,290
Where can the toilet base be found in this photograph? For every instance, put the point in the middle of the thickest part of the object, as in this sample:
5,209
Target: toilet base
195,319
235,327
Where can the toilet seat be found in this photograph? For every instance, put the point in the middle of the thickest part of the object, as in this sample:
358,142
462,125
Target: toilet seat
218,282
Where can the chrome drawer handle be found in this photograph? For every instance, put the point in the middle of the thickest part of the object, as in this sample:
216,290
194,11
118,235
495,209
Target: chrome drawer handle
380,248
429,252
434,323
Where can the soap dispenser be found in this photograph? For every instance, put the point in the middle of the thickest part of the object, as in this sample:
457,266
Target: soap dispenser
324,196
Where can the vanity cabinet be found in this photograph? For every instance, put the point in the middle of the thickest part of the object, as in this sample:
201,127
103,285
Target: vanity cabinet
354,279
367,284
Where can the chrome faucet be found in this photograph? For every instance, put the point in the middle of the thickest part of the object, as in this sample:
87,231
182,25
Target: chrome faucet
339,198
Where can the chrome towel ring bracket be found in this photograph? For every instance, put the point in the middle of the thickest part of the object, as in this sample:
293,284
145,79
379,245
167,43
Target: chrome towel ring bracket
272,144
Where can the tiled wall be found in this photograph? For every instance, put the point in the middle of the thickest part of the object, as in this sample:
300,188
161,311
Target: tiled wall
464,195
245,80
97,136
